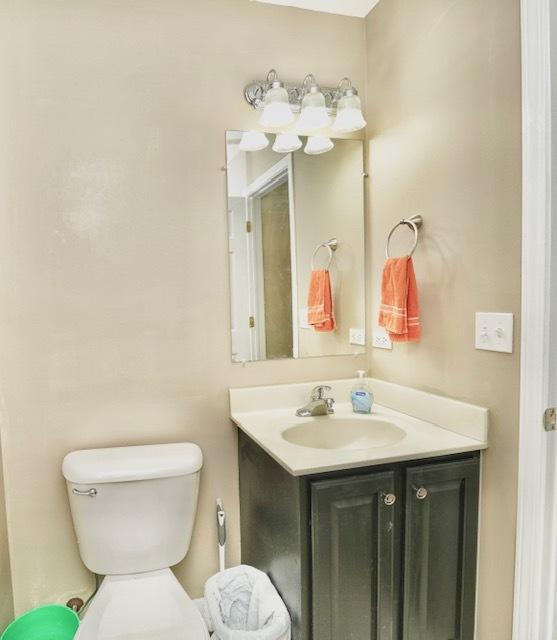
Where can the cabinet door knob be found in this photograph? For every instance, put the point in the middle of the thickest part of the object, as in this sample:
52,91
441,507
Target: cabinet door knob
389,499
421,493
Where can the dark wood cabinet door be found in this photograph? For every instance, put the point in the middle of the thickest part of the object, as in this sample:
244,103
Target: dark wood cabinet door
440,551
354,566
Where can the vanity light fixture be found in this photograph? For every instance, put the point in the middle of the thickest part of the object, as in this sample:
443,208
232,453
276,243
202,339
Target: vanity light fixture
287,143
316,104
349,109
317,145
253,141
314,113
276,111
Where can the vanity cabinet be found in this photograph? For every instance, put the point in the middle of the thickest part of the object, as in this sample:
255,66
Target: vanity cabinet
379,553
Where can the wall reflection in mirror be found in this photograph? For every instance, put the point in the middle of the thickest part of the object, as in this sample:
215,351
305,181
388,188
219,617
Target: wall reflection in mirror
296,251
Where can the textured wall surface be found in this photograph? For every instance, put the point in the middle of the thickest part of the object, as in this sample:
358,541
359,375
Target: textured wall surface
443,100
6,594
114,314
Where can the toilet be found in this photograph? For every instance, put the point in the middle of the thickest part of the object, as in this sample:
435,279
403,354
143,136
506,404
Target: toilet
133,510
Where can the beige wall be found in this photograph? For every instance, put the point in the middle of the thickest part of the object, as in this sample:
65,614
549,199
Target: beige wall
258,162
443,99
6,594
114,281
114,320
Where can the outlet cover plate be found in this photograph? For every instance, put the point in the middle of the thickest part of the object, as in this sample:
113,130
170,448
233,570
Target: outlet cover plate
381,339
494,332
357,337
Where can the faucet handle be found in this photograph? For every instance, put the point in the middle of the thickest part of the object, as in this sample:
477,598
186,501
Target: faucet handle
318,393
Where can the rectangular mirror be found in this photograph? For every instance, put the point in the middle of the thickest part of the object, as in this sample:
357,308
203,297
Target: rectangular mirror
290,215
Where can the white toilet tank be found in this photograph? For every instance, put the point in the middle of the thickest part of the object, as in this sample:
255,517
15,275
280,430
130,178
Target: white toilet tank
133,508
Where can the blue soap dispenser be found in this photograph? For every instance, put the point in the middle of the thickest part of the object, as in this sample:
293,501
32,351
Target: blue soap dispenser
361,395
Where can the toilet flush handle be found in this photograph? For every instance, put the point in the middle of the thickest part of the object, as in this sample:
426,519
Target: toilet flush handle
91,493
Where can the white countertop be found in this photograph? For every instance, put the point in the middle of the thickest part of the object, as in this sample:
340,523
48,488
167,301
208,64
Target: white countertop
433,425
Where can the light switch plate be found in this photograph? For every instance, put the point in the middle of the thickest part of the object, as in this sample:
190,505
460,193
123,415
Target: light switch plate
357,337
494,332
381,339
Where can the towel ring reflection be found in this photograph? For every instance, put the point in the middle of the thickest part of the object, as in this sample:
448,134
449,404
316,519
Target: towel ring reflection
331,245
415,223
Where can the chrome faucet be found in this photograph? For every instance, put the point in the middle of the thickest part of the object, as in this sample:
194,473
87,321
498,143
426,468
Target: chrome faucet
319,405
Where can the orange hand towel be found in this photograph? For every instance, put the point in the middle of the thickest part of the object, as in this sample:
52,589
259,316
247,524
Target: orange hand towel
400,308
321,315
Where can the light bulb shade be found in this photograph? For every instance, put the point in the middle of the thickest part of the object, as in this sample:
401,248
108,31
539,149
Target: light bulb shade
349,115
317,145
276,112
314,113
253,141
287,143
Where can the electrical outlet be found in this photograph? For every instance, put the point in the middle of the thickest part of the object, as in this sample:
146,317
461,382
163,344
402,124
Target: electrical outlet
358,337
381,339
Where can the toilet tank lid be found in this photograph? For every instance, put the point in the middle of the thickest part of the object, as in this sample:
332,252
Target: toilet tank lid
125,464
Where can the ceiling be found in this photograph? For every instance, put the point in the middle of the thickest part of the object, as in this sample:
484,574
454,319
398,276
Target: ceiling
357,8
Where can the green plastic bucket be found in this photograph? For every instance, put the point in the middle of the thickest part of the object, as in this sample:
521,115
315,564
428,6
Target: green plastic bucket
49,622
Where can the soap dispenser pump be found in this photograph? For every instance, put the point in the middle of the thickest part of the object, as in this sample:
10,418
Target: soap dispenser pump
361,395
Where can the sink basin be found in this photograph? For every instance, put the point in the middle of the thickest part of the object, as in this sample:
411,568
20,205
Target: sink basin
328,432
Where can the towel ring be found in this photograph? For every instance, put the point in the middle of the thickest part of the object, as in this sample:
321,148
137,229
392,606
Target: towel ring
415,223
331,245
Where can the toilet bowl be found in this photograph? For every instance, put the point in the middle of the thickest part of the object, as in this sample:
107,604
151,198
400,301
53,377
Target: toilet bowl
144,606
133,510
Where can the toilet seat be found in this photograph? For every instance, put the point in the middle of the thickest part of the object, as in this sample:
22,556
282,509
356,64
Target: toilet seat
142,606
